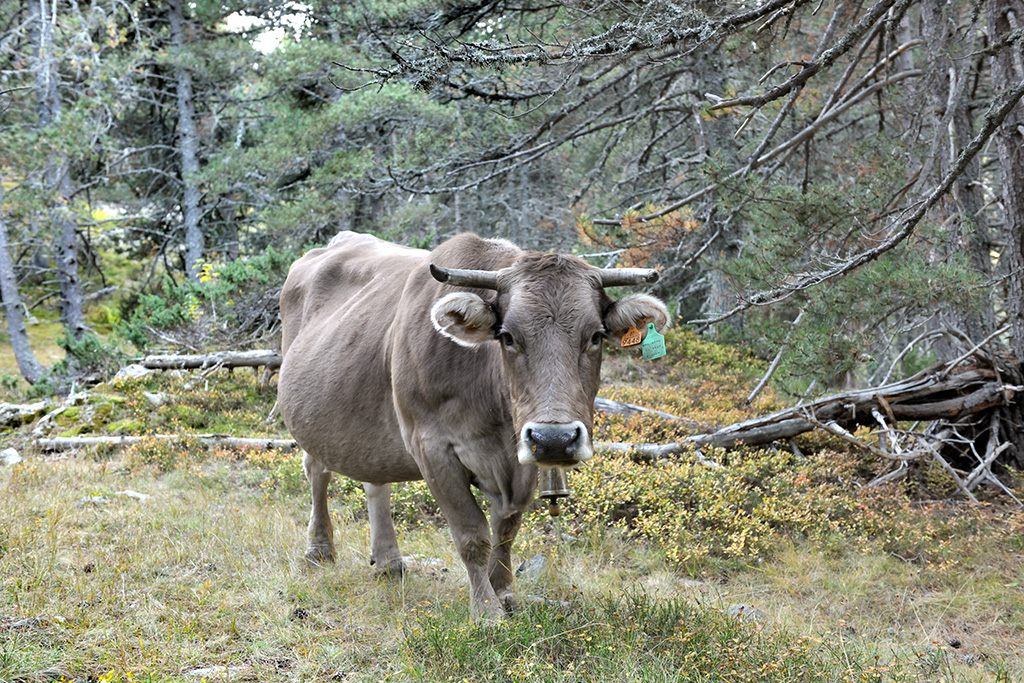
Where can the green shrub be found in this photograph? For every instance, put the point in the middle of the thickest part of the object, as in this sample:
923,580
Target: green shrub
233,304
740,514
163,455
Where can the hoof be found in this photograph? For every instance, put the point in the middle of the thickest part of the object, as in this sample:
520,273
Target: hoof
508,601
489,611
390,568
317,555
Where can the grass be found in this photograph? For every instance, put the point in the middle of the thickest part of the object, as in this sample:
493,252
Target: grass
43,336
204,578
207,573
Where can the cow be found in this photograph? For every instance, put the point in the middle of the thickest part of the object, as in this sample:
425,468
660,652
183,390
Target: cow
469,365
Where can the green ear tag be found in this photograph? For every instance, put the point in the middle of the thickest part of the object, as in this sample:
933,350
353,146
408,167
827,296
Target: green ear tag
654,343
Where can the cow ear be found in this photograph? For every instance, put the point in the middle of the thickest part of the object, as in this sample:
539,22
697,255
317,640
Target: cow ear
636,310
464,318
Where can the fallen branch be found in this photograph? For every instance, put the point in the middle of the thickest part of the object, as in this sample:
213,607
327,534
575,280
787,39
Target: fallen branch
610,407
932,394
656,451
65,443
267,358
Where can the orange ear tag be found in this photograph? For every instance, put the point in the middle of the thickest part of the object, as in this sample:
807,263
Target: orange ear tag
631,338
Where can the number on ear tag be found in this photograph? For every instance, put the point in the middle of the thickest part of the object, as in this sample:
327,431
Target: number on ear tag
631,338
654,343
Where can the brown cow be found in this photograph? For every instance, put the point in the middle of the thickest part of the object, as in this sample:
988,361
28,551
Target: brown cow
472,377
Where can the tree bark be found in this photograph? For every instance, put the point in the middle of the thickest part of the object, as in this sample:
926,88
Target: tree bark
226,359
1006,16
57,172
31,369
187,146
951,68
65,247
64,443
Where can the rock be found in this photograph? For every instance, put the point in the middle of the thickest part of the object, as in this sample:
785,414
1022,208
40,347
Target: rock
93,500
216,671
76,398
133,371
534,568
547,602
133,494
156,399
433,566
9,456
21,413
748,613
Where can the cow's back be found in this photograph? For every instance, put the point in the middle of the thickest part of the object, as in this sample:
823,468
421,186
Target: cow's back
326,279
337,308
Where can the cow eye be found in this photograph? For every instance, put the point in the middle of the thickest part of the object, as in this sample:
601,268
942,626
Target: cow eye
506,340
597,338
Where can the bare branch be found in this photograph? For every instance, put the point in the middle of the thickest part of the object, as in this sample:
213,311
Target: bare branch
993,119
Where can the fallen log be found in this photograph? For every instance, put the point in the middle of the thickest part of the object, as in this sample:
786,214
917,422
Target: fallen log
267,358
656,451
610,407
932,394
71,442
65,443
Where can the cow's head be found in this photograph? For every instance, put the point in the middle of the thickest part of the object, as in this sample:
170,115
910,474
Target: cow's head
551,316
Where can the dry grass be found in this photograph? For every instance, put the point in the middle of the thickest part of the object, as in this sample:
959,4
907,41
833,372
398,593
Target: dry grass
203,573
205,579
43,337
207,572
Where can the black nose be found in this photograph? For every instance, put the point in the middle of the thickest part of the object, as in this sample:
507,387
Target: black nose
553,442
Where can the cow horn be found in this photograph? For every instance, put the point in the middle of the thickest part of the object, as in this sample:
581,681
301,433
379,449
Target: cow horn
459,277
621,277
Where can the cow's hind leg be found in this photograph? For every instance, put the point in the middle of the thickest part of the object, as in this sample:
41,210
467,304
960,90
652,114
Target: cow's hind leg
499,568
384,554
321,532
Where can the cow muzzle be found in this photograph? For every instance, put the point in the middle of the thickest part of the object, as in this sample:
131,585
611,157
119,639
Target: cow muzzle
555,444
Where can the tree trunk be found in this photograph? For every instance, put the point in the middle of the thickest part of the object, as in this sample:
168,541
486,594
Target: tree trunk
714,136
57,174
30,368
188,144
65,248
951,69
1006,16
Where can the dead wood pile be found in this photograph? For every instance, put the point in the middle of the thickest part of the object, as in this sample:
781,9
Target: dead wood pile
965,415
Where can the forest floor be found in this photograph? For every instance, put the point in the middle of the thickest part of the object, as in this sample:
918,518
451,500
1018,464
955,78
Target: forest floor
178,561
42,336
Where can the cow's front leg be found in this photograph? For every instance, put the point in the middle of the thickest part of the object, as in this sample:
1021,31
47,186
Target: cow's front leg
384,553
321,532
449,484
499,569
